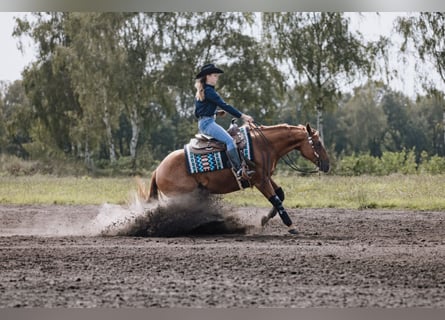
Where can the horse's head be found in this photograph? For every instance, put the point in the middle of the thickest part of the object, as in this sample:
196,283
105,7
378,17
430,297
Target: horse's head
313,149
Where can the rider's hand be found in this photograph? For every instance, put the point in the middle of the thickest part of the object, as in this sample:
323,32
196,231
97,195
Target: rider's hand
247,118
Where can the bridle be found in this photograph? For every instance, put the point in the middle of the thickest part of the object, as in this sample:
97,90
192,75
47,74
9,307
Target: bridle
287,160
316,147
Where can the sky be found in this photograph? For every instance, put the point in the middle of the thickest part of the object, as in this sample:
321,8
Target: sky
371,25
12,61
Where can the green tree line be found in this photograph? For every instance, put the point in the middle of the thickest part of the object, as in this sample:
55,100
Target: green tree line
116,89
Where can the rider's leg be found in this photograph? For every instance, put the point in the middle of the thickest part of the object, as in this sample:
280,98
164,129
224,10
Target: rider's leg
210,127
235,160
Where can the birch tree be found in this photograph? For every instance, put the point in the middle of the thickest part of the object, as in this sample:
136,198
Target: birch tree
53,105
319,49
94,57
426,32
145,43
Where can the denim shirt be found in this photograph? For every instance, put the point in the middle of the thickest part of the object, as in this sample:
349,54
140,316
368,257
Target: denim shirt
207,108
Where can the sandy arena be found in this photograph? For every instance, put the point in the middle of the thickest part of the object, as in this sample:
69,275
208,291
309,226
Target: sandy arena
113,256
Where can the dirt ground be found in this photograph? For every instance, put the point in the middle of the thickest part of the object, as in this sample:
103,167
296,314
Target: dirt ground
102,256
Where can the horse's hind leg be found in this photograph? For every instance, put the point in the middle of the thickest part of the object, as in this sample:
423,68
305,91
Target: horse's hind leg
172,178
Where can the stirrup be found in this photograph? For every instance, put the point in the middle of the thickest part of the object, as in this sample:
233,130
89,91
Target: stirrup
243,173
242,179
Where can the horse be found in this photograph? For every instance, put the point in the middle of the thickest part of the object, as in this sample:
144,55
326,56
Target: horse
269,144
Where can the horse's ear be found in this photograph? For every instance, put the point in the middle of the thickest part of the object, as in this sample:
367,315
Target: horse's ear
309,129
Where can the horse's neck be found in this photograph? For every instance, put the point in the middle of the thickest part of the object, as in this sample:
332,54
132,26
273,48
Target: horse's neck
284,138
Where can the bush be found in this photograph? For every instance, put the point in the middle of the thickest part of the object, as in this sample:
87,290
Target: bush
391,162
410,165
403,162
356,165
15,166
433,165
367,164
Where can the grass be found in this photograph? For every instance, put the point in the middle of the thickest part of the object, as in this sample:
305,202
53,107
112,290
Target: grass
416,192
64,190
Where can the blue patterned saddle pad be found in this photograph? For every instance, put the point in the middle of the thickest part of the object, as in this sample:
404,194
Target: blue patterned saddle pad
213,161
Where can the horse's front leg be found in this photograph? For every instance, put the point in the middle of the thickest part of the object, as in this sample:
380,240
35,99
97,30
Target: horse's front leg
273,212
269,189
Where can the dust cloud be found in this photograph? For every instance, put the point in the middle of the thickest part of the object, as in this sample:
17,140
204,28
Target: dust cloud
193,214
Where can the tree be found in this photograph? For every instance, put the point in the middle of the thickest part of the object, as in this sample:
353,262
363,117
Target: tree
48,84
427,117
144,97
197,39
251,82
90,69
362,121
402,133
426,30
3,139
16,120
322,51
94,57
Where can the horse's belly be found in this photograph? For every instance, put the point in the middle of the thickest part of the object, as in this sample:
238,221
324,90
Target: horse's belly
173,178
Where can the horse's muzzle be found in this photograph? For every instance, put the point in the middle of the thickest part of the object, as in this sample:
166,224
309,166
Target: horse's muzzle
324,165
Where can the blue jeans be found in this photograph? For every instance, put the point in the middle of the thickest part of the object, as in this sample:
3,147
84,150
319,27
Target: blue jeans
208,126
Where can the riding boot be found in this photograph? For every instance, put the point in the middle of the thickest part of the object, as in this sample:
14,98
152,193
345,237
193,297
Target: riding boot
235,160
236,163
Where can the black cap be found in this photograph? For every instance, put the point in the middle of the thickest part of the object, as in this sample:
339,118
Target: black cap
208,69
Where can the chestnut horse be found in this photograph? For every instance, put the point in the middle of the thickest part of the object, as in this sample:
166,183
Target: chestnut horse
269,144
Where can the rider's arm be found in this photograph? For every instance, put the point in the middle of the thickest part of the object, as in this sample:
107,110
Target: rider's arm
214,97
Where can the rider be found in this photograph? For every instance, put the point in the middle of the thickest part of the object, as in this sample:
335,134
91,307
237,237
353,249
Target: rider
206,102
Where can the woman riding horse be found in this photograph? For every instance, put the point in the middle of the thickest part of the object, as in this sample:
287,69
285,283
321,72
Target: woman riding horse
269,144
206,102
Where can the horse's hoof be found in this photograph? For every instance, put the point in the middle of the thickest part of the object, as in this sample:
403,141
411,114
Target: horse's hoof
293,231
264,220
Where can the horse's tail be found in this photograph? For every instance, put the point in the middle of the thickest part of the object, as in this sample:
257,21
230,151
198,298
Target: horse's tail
142,192
153,194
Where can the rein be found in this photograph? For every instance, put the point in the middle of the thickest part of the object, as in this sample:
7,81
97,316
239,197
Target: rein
291,164
264,155
287,160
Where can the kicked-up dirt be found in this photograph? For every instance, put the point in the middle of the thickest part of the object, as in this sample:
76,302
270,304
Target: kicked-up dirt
112,256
